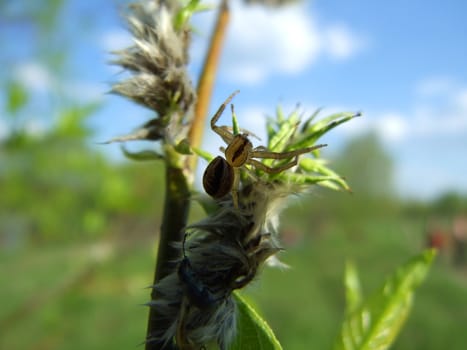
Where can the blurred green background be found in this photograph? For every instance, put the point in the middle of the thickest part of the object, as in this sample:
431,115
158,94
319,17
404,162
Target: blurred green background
78,232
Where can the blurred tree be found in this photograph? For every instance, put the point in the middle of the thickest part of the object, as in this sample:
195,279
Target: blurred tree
449,204
55,187
53,183
367,167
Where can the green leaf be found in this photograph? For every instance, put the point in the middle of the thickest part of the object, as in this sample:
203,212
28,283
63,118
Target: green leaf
253,332
353,292
376,323
331,182
315,131
203,154
142,155
235,127
183,147
281,138
17,97
318,166
307,123
183,16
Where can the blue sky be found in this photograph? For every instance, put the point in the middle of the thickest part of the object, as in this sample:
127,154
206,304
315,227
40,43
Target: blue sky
401,62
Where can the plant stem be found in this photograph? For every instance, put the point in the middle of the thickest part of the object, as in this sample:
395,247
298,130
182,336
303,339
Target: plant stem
177,193
206,80
176,209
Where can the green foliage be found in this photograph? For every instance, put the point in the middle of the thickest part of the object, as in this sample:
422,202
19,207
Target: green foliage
367,166
54,187
353,293
285,134
183,16
253,332
376,322
17,97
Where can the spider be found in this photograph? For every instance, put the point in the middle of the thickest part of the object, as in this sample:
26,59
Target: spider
222,175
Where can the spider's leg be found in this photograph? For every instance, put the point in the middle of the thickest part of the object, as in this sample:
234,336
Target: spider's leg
222,132
270,170
259,153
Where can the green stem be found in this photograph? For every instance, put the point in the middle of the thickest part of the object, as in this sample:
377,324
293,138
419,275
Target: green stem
175,217
177,193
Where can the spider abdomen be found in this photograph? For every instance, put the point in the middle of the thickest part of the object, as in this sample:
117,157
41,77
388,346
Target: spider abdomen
237,152
218,178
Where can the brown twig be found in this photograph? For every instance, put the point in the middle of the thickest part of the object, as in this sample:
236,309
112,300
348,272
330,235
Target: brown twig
206,81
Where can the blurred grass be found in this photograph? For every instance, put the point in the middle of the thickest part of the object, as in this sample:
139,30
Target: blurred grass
88,296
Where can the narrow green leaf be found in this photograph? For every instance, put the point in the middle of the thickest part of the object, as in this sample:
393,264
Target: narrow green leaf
270,127
142,155
332,182
376,323
313,165
235,127
307,122
253,332
203,154
286,129
279,115
315,131
353,292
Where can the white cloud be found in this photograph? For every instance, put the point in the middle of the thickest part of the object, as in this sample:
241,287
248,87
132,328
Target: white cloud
439,111
263,41
392,127
37,78
34,75
85,91
434,86
460,99
342,43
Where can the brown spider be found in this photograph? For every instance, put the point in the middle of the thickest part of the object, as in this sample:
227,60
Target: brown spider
222,175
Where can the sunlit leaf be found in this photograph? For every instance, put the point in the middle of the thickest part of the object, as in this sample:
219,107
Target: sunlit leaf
332,182
353,292
376,323
318,166
203,154
183,16
282,136
315,131
253,332
308,121
235,126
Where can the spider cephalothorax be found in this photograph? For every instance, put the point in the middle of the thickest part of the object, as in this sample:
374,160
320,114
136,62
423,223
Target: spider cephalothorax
222,174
